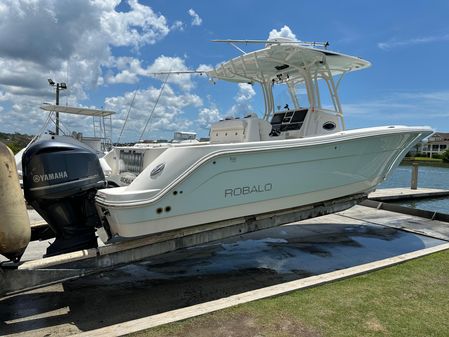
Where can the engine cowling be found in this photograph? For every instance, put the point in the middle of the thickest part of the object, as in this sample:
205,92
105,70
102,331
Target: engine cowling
60,181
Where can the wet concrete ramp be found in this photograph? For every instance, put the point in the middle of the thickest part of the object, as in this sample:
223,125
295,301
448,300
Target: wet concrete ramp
209,272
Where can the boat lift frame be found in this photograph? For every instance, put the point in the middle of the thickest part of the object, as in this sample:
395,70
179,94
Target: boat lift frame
28,275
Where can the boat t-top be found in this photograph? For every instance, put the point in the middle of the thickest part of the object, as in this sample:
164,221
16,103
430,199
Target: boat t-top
293,155
100,142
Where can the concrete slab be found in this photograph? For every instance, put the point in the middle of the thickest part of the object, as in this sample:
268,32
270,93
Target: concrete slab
432,228
145,323
213,272
388,194
35,218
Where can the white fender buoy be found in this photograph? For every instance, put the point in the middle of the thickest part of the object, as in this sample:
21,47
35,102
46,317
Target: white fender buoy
15,230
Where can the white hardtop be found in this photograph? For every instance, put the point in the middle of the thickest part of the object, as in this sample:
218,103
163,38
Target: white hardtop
283,60
290,62
76,110
101,141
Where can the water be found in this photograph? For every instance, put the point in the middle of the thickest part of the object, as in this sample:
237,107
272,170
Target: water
428,177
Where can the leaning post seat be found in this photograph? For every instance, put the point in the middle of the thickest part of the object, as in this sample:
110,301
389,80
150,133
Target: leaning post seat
228,131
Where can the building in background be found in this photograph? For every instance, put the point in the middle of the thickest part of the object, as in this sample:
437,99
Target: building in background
435,144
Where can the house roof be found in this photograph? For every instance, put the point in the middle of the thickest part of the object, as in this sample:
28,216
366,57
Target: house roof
439,137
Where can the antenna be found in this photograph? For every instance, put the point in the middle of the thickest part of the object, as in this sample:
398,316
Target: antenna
127,115
154,106
67,81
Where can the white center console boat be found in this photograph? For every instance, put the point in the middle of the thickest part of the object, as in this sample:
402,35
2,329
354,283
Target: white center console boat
290,157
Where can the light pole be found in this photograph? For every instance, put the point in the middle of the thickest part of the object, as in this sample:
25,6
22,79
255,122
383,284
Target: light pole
58,86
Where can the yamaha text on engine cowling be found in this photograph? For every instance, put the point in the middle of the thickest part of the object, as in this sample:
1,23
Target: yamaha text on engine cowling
60,181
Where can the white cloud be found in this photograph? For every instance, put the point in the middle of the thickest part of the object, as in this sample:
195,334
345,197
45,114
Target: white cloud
23,116
394,43
137,27
49,37
177,25
129,69
243,100
196,20
48,32
207,116
68,41
204,67
164,64
285,32
168,115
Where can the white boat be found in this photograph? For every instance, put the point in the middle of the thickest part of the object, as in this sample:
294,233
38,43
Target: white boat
251,165
123,164
100,142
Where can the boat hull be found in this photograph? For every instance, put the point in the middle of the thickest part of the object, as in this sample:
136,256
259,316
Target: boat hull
242,180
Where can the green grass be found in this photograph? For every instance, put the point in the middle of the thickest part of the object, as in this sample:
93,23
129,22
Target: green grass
423,159
411,299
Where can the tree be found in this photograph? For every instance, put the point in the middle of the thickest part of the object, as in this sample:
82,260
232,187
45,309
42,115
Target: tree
445,156
15,147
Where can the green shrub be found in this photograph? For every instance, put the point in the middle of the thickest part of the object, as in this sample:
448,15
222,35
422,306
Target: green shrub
15,147
445,156
421,155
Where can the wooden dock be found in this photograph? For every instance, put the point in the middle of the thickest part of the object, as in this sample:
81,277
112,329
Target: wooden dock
390,194
410,223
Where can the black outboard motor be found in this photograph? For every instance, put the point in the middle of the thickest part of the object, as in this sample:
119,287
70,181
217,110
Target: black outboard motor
60,181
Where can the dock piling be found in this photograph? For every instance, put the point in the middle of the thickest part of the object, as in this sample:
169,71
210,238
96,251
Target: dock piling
414,182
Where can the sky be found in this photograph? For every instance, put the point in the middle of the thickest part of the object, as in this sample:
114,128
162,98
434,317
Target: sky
107,52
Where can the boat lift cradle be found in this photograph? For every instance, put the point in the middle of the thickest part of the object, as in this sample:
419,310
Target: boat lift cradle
27,275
